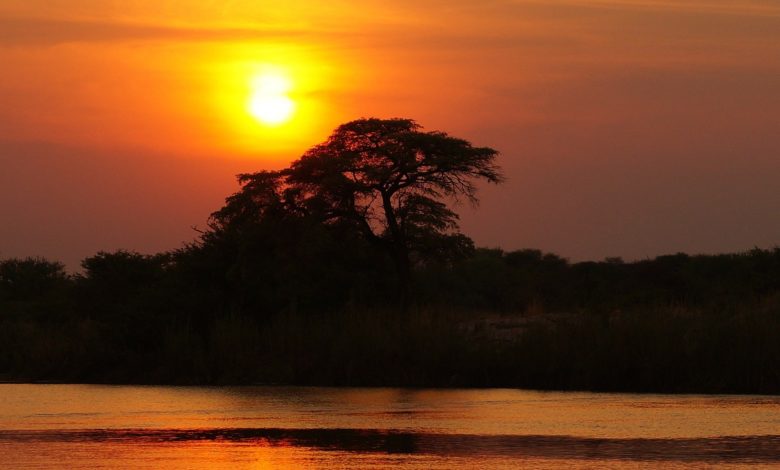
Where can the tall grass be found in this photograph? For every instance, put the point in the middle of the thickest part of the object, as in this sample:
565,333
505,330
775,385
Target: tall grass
672,348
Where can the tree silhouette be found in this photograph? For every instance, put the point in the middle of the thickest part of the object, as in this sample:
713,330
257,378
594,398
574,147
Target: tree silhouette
29,278
386,179
276,253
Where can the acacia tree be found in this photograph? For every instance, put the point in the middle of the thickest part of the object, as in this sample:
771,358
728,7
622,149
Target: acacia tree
387,179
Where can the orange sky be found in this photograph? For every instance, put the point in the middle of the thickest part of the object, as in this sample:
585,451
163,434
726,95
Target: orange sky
627,128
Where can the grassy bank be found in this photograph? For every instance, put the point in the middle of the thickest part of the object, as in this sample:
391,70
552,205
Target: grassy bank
492,319
661,349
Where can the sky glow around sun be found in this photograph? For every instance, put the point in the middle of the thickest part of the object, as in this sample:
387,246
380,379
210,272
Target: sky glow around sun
269,104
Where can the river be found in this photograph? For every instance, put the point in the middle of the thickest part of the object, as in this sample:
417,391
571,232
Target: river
149,427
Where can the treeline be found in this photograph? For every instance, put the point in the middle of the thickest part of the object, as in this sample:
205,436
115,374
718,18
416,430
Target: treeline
707,323
511,281
348,268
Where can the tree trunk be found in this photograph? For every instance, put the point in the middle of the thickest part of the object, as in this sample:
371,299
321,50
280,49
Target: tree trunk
399,252
403,274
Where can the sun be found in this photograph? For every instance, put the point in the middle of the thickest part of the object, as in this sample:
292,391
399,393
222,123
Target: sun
271,104
269,100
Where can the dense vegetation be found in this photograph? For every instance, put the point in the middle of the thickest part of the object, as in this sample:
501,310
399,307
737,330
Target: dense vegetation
675,323
347,268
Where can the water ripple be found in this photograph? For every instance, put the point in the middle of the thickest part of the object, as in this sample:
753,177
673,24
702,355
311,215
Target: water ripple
735,449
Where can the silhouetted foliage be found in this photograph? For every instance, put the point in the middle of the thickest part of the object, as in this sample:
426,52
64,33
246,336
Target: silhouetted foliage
705,323
29,278
298,276
122,273
383,181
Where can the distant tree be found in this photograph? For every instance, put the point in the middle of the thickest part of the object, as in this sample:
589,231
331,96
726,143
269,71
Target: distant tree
29,278
121,274
386,179
127,268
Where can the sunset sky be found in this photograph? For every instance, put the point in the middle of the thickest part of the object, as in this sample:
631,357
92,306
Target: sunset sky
626,128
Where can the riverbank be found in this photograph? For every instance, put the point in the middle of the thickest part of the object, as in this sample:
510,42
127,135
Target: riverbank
665,349
524,319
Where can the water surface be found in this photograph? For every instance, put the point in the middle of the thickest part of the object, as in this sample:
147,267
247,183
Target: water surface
89,426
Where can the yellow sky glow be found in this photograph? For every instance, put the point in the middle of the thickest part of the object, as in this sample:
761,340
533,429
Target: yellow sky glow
269,102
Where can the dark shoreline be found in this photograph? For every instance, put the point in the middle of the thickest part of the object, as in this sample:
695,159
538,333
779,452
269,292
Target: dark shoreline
664,351
401,387
679,324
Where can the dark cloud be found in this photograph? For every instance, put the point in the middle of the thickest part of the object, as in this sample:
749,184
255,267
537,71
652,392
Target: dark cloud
41,32
48,32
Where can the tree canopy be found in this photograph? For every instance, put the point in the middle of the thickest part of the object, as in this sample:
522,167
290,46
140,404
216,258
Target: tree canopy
385,180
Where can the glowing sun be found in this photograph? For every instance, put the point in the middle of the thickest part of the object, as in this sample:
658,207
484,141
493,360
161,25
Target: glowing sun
269,101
